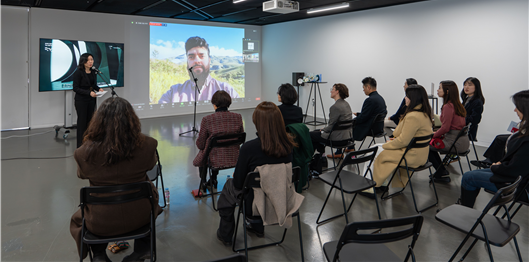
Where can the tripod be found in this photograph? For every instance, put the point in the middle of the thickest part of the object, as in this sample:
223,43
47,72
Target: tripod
316,87
194,130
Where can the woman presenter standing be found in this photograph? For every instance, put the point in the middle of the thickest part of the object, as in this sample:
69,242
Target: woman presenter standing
85,88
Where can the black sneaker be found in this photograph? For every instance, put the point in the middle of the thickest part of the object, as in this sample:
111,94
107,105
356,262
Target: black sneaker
251,230
382,188
226,243
441,179
368,195
481,163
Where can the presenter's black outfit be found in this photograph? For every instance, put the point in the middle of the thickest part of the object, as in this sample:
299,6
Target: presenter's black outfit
85,105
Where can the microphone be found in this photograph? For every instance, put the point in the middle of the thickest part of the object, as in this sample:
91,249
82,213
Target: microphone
95,69
190,68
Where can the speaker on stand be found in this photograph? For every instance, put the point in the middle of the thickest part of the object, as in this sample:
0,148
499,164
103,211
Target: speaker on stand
297,80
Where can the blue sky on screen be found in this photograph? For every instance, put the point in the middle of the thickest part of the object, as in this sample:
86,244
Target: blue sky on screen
170,40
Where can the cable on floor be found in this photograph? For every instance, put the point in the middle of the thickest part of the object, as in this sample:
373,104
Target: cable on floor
20,136
17,158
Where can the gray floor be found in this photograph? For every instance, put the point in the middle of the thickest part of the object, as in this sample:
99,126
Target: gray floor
40,195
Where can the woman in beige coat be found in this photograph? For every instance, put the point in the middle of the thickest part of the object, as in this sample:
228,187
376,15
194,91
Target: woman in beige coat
415,122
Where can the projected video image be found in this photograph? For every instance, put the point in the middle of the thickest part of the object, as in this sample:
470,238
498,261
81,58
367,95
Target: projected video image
214,56
59,59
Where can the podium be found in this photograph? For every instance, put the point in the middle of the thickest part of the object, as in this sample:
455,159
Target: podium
315,86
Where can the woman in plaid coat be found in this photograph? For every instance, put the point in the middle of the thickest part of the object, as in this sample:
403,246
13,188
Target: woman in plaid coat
219,123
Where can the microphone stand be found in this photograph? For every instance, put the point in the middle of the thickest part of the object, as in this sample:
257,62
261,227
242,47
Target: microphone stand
109,85
194,130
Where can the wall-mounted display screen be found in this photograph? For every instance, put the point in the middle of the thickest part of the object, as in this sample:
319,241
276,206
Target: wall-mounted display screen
59,59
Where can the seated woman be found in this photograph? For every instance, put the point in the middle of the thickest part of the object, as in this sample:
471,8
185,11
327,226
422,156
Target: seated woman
115,152
415,122
452,121
340,111
512,165
393,121
272,146
221,122
287,95
473,100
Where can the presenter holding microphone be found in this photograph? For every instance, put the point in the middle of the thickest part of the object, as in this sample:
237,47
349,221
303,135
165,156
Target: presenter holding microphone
85,88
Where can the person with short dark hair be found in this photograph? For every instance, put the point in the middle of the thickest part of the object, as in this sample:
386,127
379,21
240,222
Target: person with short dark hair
287,95
221,99
221,122
198,61
340,111
392,121
453,120
272,146
473,100
373,105
115,152
512,165
85,88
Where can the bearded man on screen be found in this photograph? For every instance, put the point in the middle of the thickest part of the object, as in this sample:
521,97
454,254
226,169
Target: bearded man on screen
197,52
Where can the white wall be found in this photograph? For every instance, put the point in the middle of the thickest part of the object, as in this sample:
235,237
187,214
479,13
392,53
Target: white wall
15,93
430,41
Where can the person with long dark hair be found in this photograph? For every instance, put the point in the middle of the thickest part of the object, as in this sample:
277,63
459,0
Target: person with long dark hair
272,146
85,88
287,95
512,165
219,123
416,121
452,121
115,152
392,121
473,100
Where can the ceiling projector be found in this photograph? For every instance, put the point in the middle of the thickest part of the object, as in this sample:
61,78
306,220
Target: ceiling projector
281,6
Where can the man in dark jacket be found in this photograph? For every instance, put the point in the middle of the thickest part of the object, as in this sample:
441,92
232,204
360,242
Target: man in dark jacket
373,105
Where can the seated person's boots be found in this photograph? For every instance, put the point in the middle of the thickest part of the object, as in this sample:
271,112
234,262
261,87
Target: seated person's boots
100,253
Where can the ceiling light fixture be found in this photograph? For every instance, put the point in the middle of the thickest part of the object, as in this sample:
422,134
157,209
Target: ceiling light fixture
238,1
326,8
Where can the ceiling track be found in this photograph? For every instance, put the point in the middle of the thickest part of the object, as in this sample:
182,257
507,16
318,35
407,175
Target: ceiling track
198,12
90,7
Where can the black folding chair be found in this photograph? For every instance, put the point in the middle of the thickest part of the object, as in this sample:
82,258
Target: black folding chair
109,195
472,140
341,126
452,152
357,245
378,120
219,142
521,197
253,181
415,143
494,230
350,182
156,173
